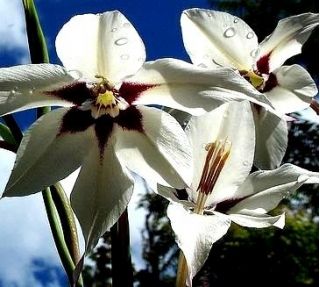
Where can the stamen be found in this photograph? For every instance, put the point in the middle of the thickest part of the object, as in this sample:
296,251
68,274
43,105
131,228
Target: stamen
106,101
218,153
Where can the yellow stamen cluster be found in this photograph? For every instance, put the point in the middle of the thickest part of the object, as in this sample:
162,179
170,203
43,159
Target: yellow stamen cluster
106,101
218,153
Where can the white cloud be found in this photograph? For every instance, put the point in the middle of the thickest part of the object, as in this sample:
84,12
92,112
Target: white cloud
12,28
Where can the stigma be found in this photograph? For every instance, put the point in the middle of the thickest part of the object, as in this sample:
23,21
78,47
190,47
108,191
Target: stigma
217,155
106,99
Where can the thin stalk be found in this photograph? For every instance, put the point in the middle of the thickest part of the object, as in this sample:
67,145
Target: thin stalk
182,271
67,220
120,253
14,128
58,234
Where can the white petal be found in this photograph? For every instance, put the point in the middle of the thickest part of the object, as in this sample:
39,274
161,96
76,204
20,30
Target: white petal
294,91
195,90
258,221
103,44
101,193
44,157
232,122
271,138
195,234
23,87
263,190
212,37
161,153
287,39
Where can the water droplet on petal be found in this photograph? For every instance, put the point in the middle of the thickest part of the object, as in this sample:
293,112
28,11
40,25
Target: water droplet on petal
245,163
230,32
126,25
121,41
114,29
13,92
254,53
235,20
31,91
124,57
209,14
250,35
202,65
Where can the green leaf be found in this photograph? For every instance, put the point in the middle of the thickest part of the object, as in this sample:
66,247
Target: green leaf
6,134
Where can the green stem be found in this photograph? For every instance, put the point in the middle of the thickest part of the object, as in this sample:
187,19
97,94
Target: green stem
120,253
182,271
37,43
58,236
14,128
67,219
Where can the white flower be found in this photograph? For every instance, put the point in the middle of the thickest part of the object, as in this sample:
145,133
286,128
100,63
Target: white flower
106,130
215,39
222,189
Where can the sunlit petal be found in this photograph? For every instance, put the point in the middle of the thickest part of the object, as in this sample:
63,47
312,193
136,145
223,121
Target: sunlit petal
263,190
195,234
271,138
102,44
287,39
294,90
26,86
212,37
46,156
101,193
233,123
180,85
160,153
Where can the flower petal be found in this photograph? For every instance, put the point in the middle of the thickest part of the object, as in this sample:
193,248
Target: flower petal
161,153
103,44
195,234
287,39
212,37
263,190
183,86
232,122
101,193
24,87
271,138
260,221
45,156
294,91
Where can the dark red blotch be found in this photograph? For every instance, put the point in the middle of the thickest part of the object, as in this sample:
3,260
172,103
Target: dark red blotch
75,93
131,91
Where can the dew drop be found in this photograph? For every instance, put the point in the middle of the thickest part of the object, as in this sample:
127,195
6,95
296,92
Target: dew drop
245,163
235,20
13,92
124,57
202,65
126,25
250,35
254,53
230,32
114,29
31,91
209,14
121,41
